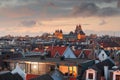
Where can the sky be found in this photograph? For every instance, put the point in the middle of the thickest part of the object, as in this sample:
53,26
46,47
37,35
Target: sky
35,17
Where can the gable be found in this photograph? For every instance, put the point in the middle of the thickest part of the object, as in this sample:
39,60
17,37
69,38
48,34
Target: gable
77,52
56,49
90,74
19,71
85,53
102,56
91,70
118,52
69,53
57,54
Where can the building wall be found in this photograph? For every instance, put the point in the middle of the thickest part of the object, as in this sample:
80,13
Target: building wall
117,72
90,71
102,56
69,53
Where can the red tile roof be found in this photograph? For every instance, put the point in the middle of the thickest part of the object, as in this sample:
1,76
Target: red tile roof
72,78
56,49
30,76
77,52
87,52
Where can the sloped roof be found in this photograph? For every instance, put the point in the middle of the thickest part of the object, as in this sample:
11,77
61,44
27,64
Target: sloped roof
19,71
43,77
77,52
118,52
56,49
10,76
86,65
108,62
6,76
17,76
57,75
86,52
30,76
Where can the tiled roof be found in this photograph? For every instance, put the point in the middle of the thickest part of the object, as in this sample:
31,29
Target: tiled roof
43,77
56,49
87,52
30,76
77,52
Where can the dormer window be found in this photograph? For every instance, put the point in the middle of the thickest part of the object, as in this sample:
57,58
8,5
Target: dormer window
117,77
90,76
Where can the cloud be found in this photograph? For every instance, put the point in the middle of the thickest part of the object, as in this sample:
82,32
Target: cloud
85,9
91,9
56,8
29,23
108,11
118,4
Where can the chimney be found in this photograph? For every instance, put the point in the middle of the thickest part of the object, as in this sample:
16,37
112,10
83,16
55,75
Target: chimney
106,72
73,48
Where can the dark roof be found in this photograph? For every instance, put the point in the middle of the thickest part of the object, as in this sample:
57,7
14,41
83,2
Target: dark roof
107,52
17,77
100,66
10,76
82,33
43,77
57,75
96,69
108,62
86,65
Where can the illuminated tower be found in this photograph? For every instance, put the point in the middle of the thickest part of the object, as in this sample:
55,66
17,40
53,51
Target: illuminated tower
59,34
79,32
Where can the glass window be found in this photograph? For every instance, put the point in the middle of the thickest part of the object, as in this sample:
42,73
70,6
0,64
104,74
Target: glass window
117,77
90,76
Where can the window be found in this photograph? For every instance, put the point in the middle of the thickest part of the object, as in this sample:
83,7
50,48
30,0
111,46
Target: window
103,55
117,77
90,76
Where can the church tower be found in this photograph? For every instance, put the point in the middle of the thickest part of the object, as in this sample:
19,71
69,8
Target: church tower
59,34
79,32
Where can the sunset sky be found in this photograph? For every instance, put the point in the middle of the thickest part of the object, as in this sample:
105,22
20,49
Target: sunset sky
35,17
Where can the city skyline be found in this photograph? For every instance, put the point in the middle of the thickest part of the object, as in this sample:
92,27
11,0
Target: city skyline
35,17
